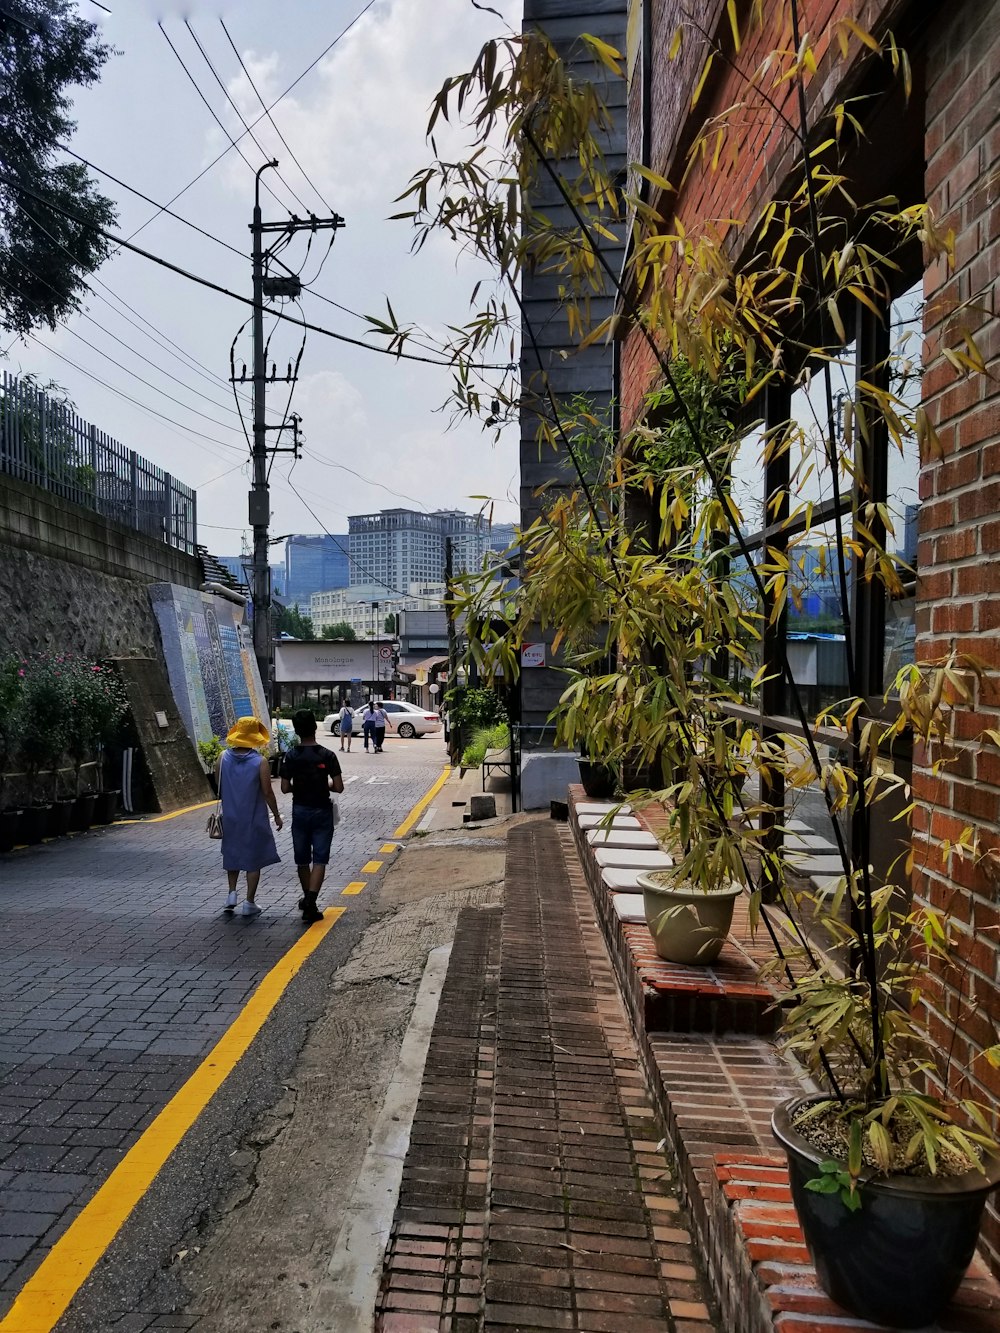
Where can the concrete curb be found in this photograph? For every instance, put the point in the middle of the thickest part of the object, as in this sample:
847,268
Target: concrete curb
346,1298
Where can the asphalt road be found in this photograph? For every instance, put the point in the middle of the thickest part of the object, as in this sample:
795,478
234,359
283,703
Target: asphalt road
118,973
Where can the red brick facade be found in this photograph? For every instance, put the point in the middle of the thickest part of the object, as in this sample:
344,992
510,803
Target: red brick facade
955,108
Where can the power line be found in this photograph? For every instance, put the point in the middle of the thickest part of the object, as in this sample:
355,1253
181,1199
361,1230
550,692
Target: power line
144,407
314,457
161,208
121,341
396,354
239,114
179,354
179,217
295,82
218,121
274,123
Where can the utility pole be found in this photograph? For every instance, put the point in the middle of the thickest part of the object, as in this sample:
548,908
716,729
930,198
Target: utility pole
268,286
260,495
449,610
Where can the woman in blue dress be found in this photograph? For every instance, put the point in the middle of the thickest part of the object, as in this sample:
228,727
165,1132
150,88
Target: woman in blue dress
246,793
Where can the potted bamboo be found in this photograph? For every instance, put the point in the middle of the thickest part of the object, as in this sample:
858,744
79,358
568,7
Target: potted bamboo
668,591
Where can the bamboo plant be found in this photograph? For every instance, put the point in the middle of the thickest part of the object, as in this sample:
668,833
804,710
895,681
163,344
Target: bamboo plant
679,605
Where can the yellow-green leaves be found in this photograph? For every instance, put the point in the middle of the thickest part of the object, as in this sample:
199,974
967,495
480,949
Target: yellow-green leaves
700,86
734,26
606,55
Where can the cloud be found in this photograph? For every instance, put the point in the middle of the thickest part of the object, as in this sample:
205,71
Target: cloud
328,396
358,126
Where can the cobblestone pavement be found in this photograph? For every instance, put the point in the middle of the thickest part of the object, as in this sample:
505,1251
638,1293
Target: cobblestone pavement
119,971
534,1193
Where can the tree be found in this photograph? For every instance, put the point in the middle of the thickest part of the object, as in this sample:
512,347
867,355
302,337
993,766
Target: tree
341,630
390,624
46,48
290,620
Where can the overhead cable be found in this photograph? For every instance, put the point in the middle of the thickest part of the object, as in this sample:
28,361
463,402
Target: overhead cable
239,114
211,111
274,124
353,559
295,82
144,407
396,354
121,341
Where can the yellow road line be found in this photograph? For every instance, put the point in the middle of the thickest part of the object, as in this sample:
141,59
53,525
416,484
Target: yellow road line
43,1299
388,847
355,886
419,808
159,819
371,867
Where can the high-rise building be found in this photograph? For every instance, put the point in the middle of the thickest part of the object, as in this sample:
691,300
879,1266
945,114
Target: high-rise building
313,564
241,568
399,547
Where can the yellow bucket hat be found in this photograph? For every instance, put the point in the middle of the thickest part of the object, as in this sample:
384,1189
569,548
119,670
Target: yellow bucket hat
249,734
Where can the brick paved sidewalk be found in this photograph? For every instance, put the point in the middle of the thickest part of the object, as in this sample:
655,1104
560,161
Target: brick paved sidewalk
533,1194
119,972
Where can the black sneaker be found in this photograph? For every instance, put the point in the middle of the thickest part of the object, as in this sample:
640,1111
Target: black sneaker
311,913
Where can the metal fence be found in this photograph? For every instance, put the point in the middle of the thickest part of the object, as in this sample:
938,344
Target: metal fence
44,442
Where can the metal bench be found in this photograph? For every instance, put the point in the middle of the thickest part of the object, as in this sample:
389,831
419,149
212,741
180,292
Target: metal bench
496,759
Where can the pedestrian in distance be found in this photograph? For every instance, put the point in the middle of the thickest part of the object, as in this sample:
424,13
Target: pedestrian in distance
346,718
244,785
368,723
310,773
379,724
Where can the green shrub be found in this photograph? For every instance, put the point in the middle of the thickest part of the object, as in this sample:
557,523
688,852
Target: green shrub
486,738
478,707
210,752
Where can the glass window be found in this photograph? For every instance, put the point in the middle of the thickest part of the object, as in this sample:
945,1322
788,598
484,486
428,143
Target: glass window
746,484
905,373
809,463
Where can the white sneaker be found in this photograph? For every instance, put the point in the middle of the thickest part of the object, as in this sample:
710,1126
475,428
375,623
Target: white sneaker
251,909
230,900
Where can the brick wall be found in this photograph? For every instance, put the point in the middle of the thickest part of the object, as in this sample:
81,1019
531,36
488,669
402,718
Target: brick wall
760,148
959,552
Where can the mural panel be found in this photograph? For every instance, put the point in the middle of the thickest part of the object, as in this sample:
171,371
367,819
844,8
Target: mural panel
210,662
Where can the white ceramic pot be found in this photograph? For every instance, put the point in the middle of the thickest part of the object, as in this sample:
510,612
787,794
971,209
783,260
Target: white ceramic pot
687,924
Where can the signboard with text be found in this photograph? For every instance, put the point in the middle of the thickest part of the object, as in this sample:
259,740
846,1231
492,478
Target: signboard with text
532,654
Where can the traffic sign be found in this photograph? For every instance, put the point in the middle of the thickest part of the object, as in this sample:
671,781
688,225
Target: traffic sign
385,652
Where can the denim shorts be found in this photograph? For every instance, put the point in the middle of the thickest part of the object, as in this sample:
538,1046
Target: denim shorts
312,833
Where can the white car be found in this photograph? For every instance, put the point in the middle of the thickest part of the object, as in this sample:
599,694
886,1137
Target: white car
407,720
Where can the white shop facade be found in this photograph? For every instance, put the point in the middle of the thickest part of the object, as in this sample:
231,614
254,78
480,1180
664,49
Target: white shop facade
322,674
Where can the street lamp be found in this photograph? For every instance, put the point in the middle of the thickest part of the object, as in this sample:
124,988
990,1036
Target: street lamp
373,635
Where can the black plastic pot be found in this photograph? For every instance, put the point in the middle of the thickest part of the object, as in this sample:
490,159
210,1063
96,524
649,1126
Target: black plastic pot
106,806
10,829
60,817
34,823
598,780
83,812
900,1258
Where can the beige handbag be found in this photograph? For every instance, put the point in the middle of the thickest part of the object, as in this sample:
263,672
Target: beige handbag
214,826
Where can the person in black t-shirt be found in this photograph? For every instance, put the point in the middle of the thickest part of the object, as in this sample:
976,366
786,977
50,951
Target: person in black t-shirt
310,773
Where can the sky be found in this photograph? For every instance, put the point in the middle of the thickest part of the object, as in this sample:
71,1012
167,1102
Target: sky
357,125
